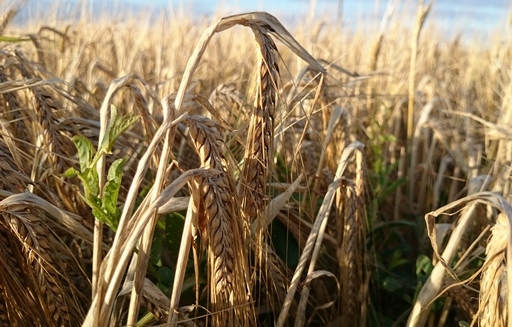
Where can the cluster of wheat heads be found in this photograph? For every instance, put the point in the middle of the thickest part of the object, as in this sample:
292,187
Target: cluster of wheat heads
230,205
229,217
43,277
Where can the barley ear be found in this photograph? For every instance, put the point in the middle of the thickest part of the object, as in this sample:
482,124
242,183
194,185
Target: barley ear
221,226
259,147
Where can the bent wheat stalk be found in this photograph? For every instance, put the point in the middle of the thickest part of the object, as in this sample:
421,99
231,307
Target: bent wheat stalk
218,196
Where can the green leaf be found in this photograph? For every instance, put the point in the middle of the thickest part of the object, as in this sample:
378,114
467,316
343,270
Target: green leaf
423,267
71,172
117,126
112,186
166,276
155,257
390,188
107,142
91,181
391,284
94,203
166,289
104,209
103,217
173,229
285,245
397,260
85,151
13,39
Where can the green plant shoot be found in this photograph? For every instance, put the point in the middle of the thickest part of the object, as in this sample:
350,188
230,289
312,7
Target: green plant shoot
103,207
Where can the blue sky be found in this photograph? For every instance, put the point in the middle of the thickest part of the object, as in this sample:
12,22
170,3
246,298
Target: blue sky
300,6
472,17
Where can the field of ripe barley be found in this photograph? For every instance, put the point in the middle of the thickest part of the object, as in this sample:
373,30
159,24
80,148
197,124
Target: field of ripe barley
239,171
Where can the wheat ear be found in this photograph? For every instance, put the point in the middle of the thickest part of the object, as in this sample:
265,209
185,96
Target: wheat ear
36,242
261,129
220,225
18,304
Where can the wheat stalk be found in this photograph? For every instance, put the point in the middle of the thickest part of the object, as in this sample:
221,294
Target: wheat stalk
140,261
351,254
13,117
118,257
34,238
52,278
433,284
7,17
422,14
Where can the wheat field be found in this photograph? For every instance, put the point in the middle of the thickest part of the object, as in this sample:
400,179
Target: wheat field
233,171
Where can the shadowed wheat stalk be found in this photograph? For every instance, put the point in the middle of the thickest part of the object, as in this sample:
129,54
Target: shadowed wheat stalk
352,254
